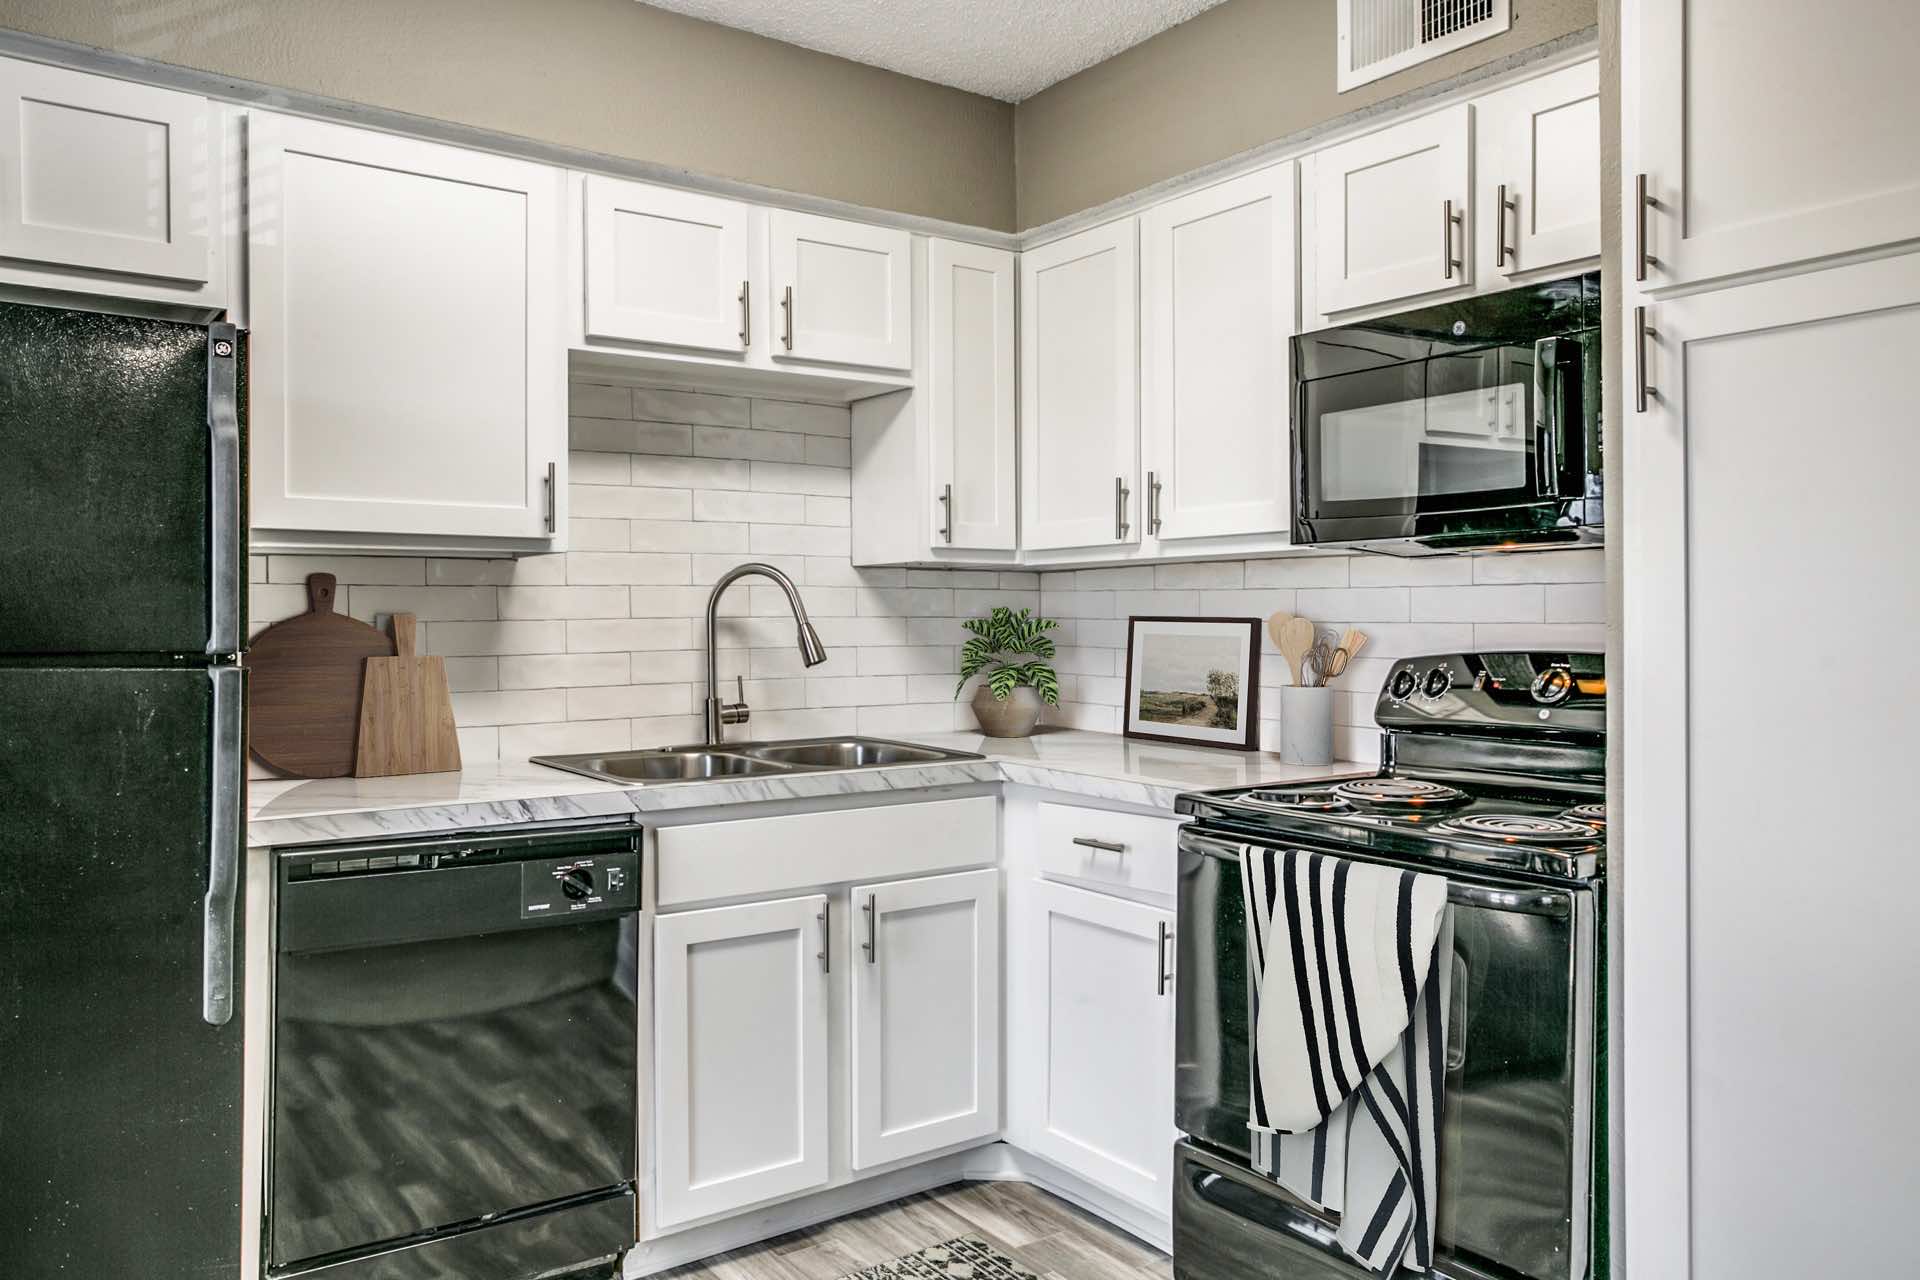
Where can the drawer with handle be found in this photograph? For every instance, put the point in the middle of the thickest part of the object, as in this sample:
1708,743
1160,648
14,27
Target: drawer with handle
1131,855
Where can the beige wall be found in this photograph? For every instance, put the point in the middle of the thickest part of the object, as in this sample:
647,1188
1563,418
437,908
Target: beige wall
609,76
1245,73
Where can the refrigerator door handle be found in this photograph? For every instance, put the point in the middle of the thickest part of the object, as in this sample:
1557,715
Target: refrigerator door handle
227,537
223,861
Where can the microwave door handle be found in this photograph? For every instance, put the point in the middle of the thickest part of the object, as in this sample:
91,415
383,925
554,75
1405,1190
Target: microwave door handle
1549,414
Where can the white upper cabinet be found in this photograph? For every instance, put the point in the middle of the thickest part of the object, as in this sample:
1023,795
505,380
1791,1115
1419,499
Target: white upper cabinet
1217,313
926,1015
1079,446
969,384
667,267
407,373
740,1043
1769,132
842,291
1539,172
1100,1027
1392,211
104,180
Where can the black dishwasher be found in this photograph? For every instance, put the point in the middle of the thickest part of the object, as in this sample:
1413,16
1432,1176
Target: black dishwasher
455,1056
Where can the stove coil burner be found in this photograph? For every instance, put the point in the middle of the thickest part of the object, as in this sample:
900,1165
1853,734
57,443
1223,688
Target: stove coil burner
1517,828
1400,793
1594,815
1298,801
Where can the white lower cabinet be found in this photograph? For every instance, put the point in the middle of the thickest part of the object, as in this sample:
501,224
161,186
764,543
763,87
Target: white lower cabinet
926,1015
740,1042
1098,1038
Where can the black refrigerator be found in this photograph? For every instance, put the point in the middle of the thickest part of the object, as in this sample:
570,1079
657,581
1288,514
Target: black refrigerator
122,745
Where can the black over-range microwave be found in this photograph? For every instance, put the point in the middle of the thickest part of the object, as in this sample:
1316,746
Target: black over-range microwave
1466,424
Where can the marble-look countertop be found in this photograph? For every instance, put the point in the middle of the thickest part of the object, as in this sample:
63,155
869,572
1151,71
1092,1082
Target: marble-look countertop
1100,766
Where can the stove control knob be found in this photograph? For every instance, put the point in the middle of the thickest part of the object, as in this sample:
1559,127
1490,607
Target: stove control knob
1438,681
1552,686
577,883
1404,683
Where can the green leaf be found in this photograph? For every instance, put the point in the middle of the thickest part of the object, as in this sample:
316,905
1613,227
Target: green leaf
1003,681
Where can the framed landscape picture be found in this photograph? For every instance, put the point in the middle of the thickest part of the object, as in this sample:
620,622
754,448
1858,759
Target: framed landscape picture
1194,680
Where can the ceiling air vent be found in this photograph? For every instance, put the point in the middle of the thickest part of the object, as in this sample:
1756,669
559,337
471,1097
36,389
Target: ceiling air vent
1380,37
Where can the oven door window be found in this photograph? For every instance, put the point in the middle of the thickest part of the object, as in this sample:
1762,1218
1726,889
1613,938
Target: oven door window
1450,433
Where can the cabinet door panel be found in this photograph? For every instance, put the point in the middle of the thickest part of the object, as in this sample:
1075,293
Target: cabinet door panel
1745,378
1104,1014
740,1046
407,373
1218,301
666,267
1381,212
926,1015
106,175
1773,131
1544,144
970,359
851,299
1078,390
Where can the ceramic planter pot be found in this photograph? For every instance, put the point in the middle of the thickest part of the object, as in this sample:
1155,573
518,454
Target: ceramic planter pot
1014,718
1306,725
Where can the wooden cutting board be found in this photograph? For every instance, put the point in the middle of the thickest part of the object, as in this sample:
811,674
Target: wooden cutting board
304,686
406,714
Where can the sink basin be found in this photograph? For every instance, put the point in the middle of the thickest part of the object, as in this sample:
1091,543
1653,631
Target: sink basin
748,759
846,753
663,766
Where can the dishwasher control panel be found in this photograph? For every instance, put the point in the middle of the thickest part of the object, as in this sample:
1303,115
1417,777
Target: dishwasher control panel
582,884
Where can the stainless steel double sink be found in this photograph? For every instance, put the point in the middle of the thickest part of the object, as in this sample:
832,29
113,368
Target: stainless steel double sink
749,759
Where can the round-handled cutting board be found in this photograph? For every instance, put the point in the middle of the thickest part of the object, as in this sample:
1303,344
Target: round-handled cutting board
304,689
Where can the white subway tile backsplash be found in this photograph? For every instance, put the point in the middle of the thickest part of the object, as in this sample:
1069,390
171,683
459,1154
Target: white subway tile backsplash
600,648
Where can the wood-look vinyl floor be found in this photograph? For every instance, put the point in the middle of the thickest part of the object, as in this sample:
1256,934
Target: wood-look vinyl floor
1054,1238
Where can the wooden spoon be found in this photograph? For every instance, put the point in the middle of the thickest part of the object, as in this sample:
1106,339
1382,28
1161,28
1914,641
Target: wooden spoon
1297,636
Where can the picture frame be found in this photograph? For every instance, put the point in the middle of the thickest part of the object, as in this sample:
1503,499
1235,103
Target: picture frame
1177,669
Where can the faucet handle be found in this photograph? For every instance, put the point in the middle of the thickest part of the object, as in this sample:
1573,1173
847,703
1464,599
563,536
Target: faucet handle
736,712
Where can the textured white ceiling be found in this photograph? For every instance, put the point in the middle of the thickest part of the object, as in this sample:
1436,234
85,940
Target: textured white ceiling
1007,49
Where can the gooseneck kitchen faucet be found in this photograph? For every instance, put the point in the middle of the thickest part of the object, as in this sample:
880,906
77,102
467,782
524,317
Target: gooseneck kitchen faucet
812,652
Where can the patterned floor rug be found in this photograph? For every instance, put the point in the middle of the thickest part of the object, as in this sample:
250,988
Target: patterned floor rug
964,1258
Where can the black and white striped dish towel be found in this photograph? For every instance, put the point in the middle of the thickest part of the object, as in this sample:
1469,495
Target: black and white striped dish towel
1349,1045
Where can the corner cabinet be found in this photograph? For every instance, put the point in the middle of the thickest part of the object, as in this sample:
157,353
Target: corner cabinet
740,1006
1217,312
926,1015
1099,1026
1079,358
112,188
1393,213
407,378
1769,133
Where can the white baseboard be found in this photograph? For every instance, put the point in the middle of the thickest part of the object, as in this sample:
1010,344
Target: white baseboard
996,1162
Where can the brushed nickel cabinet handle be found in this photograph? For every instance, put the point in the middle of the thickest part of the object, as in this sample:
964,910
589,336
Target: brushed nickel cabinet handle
1153,503
1162,977
746,314
786,305
1641,388
1120,495
553,500
1449,222
826,962
946,514
1507,205
1641,203
872,945
1105,846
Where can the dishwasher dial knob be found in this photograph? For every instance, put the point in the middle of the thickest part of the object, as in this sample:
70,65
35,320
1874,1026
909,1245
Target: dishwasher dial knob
1438,681
1553,685
577,883
1404,682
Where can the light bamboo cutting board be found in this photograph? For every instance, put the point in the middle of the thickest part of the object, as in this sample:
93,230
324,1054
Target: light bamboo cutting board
406,714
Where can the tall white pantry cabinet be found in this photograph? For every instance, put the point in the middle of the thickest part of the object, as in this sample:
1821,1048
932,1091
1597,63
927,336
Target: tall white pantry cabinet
1766,865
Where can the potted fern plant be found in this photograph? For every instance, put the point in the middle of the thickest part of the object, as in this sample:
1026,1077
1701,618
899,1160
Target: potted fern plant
1010,647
